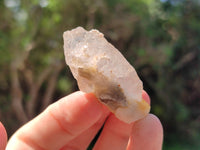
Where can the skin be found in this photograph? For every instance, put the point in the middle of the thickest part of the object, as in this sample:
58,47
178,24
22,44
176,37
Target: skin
72,122
3,137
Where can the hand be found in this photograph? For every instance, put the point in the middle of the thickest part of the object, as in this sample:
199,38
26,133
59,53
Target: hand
3,137
72,122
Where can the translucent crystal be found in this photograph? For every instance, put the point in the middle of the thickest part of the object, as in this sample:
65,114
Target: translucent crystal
101,69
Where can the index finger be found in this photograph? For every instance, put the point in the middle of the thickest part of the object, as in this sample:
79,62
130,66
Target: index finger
59,123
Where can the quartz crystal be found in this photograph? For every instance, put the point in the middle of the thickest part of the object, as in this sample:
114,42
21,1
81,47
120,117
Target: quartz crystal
101,69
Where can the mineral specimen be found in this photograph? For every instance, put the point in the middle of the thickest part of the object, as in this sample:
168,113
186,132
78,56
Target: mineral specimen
101,69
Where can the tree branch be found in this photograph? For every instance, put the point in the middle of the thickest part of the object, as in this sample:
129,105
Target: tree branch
16,94
28,76
31,104
51,86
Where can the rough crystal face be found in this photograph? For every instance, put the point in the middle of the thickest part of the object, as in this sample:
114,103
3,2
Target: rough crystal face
101,69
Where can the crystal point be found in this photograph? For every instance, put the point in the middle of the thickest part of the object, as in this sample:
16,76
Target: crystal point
101,69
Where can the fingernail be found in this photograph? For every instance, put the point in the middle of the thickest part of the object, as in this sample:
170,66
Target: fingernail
146,97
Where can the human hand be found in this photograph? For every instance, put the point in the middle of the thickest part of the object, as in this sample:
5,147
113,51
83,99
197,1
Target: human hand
72,122
3,137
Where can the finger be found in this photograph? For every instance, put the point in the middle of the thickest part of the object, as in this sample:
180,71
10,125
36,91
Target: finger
3,137
147,133
59,123
146,97
115,135
85,138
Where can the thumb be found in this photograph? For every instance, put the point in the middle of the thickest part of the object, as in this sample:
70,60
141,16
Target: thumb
3,137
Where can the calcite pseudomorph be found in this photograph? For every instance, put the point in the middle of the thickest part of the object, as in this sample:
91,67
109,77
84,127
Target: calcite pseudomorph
101,69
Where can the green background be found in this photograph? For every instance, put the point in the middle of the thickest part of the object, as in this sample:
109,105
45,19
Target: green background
160,38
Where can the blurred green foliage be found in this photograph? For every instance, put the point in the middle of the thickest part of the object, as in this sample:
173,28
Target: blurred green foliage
160,38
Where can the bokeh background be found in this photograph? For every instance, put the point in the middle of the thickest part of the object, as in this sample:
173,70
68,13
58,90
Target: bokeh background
160,38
